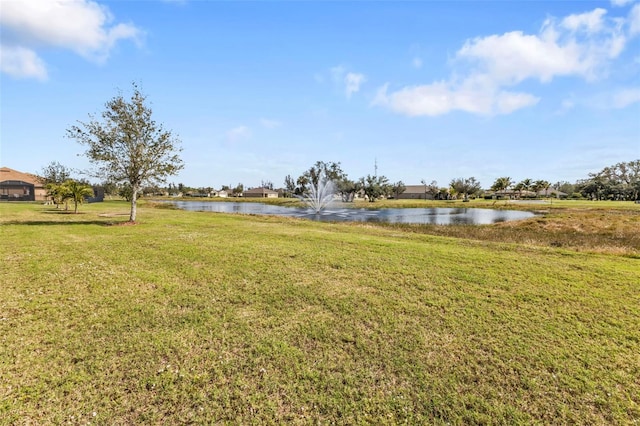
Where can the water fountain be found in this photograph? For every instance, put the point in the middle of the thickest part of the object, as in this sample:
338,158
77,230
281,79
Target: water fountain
318,197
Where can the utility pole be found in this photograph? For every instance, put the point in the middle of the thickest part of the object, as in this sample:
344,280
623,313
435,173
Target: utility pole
375,167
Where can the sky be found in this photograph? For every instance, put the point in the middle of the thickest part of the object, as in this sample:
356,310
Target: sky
258,90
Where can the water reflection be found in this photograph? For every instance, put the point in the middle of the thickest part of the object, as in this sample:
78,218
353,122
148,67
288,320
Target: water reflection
436,216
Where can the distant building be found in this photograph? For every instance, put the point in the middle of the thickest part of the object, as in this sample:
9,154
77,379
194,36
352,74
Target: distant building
223,193
98,195
415,192
551,192
260,193
19,186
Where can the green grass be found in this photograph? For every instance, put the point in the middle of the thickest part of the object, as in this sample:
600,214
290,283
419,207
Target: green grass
191,317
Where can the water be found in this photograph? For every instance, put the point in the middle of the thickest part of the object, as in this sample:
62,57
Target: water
436,216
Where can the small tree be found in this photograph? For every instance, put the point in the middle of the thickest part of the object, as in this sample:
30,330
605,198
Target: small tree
58,192
329,170
375,187
77,192
238,190
465,186
55,172
398,188
128,146
347,189
54,176
289,186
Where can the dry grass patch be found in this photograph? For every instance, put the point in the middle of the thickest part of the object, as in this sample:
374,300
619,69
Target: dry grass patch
598,231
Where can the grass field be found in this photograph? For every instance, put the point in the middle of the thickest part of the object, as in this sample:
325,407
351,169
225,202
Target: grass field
203,318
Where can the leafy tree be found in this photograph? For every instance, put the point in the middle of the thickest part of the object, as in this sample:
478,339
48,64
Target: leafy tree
128,146
54,176
375,187
329,170
289,186
77,192
266,184
618,182
398,188
465,186
110,188
238,190
56,173
344,187
431,189
347,189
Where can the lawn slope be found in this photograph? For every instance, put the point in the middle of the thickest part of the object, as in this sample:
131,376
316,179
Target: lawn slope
192,317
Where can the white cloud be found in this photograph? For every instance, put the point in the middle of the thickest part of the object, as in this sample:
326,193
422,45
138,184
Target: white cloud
581,45
270,124
349,81
442,98
352,82
82,26
558,50
22,63
238,134
589,21
417,62
508,102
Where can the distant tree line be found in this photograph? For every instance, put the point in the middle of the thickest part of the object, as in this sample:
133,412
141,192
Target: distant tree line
618,182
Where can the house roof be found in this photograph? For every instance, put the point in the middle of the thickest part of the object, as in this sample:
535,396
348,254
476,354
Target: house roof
260,191
414,189
551,191
9,174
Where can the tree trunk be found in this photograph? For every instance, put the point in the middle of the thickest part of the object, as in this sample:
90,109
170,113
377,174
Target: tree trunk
134,199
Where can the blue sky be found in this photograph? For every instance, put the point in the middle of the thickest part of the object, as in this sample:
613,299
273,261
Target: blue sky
260,90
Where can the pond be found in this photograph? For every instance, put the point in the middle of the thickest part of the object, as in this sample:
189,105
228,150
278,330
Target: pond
436,216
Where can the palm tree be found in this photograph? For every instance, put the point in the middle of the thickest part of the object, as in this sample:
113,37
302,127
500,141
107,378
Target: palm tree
501,184
518,188
77,192
540,185
58,192
526,185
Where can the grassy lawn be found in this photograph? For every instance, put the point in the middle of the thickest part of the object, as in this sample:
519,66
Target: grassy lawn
191,317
